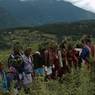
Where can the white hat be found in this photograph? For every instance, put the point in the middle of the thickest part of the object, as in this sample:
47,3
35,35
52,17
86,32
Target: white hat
37,52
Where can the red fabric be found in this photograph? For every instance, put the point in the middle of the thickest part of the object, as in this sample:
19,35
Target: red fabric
71,56
56,62
64,55
92,50
53,58
74,57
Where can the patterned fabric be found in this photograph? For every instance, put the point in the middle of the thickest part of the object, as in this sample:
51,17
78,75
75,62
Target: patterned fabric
27,79
28,66
16,61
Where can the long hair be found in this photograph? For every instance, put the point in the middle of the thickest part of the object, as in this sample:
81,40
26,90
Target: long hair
28,51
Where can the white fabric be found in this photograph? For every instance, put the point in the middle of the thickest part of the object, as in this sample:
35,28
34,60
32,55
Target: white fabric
60,58
48,70
37,52
20,76
79,50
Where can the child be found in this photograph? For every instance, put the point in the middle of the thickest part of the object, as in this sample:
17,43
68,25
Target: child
3,79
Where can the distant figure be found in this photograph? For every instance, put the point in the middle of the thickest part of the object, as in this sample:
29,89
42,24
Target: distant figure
38,63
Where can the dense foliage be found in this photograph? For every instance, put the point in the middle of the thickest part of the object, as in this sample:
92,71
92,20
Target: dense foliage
75,83
38,34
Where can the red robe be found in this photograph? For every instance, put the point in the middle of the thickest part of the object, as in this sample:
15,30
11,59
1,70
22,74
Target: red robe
71,56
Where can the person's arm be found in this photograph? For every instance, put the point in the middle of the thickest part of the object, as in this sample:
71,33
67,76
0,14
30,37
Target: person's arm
10,61
46,57
33,72
66,55
60,58
45,69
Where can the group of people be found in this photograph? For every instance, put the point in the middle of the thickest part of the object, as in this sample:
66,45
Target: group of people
51,62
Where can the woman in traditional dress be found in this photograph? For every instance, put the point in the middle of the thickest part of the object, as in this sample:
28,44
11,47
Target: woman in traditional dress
28,69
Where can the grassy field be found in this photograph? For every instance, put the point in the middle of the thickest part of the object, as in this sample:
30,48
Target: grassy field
75,83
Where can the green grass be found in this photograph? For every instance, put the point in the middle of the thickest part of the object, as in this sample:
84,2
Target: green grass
4,55
75,83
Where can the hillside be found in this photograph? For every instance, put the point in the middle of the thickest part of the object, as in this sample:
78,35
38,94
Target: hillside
76,28
34,35
6,19
39,12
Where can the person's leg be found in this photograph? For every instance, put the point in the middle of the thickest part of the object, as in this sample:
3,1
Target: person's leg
65,67
27,83
53,73
70,65
19,81
75,66
61,71
79,63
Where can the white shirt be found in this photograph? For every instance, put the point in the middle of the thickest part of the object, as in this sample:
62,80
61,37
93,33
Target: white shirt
48,70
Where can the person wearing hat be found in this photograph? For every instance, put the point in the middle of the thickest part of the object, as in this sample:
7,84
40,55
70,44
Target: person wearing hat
38,63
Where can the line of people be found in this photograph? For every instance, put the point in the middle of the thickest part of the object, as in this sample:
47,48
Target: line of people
52,62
